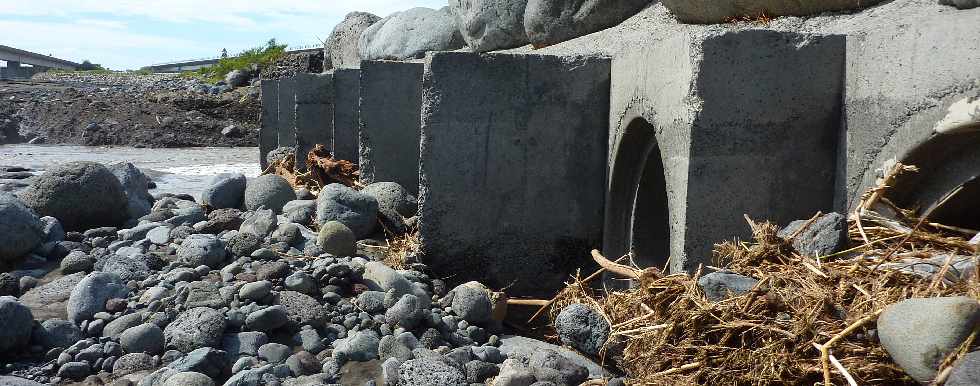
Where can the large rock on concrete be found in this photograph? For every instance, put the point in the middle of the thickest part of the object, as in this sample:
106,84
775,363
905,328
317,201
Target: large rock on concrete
549,22
344,42
356,210
136,185
720,11
82,195
410,34
225,191
195,328
17,322
270,191
825,235
582,327
20,229
919,333
91,293
489,25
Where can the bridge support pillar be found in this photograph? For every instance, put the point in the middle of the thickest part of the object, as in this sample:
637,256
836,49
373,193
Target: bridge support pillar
391,100
513,167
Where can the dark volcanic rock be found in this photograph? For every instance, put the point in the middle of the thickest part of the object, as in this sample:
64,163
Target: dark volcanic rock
82,195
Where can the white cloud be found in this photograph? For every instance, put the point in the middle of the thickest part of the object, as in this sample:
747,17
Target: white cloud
114,32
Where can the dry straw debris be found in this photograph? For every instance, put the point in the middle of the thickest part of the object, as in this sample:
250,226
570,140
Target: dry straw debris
808,321
322,169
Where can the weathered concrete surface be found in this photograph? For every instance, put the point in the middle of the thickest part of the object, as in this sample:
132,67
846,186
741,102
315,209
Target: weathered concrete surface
314,113
513,164
391,101
707,127
720,11
287,112
346,116
269,125
902,79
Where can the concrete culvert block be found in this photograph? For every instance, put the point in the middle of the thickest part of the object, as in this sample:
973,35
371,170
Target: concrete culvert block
715,11
336,239
549,22
489,121
344,42
489,25
410,34
356,210
82,195
269,191
389,133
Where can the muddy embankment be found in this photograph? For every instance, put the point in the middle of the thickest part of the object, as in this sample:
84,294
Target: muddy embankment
158,110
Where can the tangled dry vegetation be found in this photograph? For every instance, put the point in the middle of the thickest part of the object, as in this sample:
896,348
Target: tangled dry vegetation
809,320
322,169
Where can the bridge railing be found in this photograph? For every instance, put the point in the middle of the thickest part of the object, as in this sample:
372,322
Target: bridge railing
288,50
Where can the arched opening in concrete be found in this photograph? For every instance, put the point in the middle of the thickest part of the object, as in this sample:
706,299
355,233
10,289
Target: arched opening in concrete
636,208
946,162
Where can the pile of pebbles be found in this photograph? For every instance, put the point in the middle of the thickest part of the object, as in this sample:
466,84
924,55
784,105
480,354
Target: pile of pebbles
222,290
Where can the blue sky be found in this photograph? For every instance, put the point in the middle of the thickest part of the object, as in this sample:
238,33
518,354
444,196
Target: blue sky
129,34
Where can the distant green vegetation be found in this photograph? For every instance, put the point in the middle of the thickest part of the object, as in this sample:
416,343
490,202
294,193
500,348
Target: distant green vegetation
258,57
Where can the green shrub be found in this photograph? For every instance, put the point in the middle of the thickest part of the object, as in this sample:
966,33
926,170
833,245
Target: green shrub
258,56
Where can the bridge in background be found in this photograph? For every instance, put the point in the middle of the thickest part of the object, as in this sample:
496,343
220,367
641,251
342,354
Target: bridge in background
16,57
197,64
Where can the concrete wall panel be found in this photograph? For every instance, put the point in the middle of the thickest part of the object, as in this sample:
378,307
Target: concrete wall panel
512,167
346,118
391,99
269,120
314,113
287,112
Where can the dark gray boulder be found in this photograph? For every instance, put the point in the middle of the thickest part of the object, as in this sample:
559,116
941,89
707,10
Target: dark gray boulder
302,309
91,294
490,25
718,286
410,34
267,319
719,11
146,338
407,312
260,223
300,211
201,249
961,4
471,302
550,366
361,346
582,327
59,333
549,22
356,210
227,190
76,261
17,323
237,78
136,185
135,267
82,195
195,328
336,239
343,43
966,371
269,191
919,333
826,235
20,229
